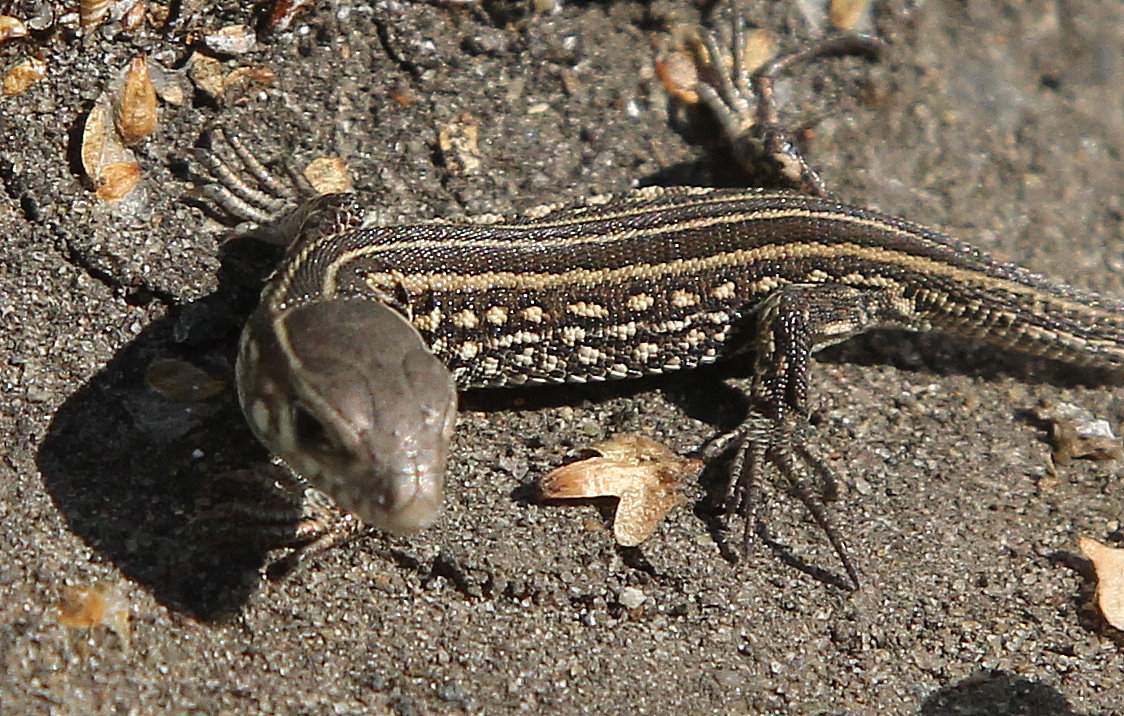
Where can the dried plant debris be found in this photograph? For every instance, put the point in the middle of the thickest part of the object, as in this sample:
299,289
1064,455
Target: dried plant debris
645,475
11,28
22,76
93,606
124,115
182,382
169,85
134,103
282,13
1108,563
846,14
134,17
1077,433
679,69
459,142
111,166
230,40
210,76
328,175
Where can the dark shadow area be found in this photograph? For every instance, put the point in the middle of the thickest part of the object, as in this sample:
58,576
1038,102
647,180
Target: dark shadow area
135,474
997,693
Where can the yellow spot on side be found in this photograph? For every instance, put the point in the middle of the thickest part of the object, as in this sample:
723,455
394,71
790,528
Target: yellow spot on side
586,309
684,299
534,314
496,315
430,321
465,319
468,350
640,302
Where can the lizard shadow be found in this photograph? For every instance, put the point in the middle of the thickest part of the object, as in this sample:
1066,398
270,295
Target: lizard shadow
135,473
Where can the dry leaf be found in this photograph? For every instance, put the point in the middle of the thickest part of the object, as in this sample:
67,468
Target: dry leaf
1108,562
283,12
98,605
168,84
135,103
644,474
133,19
1077,433
11,28
459,145
109,164
845,14
95,135
22,76
181,381
230,40
244,80
116,181
207,74
328,175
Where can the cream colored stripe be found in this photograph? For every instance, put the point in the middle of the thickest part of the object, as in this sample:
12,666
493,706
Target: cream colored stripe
450,283
536,240
340,263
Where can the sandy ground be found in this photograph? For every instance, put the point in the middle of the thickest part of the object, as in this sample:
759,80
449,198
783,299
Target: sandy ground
1000,121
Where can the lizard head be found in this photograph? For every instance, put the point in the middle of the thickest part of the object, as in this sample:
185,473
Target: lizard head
347,393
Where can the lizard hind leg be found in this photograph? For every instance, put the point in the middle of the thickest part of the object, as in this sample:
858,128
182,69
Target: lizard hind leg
760,444
792,323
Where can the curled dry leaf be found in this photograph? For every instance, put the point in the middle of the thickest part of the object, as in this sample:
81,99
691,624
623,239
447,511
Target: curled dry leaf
681,69
645,475
209,75
11,28
328,175
134,17
105,159
181,381
679,74
845,14
134,103
230,40
1108,562
97,605
1077,433
459,145
21,77
283,12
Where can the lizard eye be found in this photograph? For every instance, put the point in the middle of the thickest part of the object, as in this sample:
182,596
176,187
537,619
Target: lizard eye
310,432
